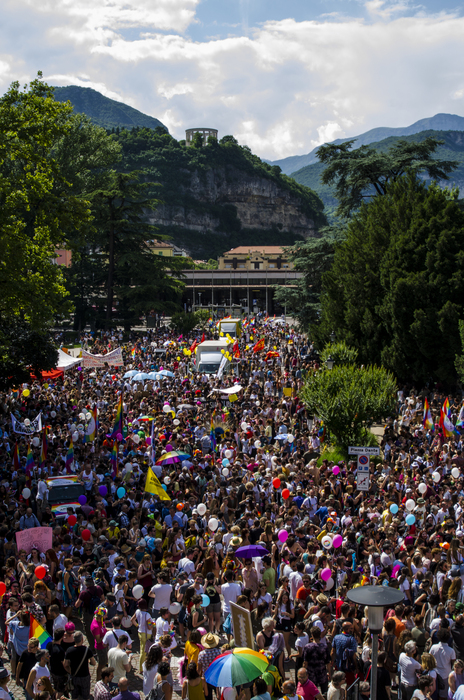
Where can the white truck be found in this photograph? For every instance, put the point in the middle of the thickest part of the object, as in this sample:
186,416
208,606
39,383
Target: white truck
231,326
208,356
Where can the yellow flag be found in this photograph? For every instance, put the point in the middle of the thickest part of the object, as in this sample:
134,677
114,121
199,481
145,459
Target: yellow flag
233,397
287,390
152,485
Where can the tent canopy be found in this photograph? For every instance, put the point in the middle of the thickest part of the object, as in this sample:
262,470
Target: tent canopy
66,361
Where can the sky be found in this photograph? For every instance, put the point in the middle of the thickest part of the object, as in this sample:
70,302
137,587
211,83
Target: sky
282,76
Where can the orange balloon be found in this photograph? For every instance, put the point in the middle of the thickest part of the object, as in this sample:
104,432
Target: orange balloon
180,506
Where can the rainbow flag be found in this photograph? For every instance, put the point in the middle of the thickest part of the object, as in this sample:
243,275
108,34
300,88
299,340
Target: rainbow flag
446,408
36,630
321,432
460,420
427,420
117,428
212,435
70,457
30,464
92,428
44,448
133,351
114,461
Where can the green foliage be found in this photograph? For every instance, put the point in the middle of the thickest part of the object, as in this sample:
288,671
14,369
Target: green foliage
184,323
202,316
459,359
349,400
341,354
102,110
396,290
23,350
313,257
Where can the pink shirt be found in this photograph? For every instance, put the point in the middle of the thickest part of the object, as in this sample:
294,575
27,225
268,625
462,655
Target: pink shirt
97,629
308,691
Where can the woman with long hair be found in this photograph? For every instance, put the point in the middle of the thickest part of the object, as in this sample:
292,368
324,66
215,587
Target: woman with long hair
194,686
455,589
150,667
284,613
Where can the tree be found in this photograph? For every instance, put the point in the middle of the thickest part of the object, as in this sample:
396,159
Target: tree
312,257
183,323
37,204
202,316
459,359
367,172
349,400
23,350
340,353
395,291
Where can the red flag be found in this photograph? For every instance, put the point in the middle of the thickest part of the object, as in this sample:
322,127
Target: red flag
259,346
193,346
202,338
236,350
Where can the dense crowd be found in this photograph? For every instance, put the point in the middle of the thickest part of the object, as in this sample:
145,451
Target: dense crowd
247,509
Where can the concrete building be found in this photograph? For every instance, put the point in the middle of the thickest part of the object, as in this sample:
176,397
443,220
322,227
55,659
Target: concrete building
205,132
264,257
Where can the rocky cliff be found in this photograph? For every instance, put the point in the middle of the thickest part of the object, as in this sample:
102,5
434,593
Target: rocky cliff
218,196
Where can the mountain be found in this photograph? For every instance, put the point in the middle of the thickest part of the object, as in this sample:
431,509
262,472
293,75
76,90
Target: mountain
452,149
440,122
103,111
219,196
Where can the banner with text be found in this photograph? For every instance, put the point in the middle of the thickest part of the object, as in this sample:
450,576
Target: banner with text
113,358
40,537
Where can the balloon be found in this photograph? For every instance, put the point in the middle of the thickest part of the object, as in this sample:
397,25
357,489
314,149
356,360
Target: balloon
72,520
36,441
285,494
102,490
257,444
80,427
205,601
422,488
164,487
455,473
225,462
290,438
436,477
167,480
337,541
136,439
243,426
180,506
329,584
137,592
166,408
129,467
86,534
410,519
119,437
40,571
394,509
53,414
410,504
75,436
225,472
336,470
81,416
26,393
88,416
2,588
213,524
201,509
121,492
27,422
176,421
326,574
82,500
26,493
276,483
326,542
228,454
175,608
283,536
45,385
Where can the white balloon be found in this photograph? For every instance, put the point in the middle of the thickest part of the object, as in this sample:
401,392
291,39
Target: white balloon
290,438
225,471
176,421
27,422
80,427
167,480
455,473
228,454
175,608
53,414
128,467
137,592
81,416
136,438
36,441
167,408
326,542
26,493
75,436
422,488
213,524
257,444
410,504
88,416
329,584
201,509
436,477
243,426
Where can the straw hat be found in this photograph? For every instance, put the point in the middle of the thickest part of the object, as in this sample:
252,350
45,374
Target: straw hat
210,640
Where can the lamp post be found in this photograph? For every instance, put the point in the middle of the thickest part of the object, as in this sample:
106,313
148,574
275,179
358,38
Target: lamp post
333,337
376,598
329,362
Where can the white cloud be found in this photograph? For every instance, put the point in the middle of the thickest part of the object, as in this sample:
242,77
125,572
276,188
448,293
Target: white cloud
283,88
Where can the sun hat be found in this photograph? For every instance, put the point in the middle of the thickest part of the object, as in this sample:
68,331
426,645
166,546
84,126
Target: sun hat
210,640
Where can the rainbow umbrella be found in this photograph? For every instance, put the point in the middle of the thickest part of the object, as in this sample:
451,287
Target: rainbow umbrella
235,667
172,458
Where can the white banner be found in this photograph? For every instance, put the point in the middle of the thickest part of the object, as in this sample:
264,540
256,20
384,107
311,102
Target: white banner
35,426
113,358
220,371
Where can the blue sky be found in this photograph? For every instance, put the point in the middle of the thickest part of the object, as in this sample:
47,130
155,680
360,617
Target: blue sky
283,77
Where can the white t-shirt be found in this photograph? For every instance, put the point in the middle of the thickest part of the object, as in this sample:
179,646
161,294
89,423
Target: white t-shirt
142,617
117,658
230,592
162,592
408,667
444,655
59,622
111,638
162,627
187,565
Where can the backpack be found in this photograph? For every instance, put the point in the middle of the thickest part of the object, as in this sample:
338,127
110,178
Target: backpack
157,692
277,680
93,604
347,664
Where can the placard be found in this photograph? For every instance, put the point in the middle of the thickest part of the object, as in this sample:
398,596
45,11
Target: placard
40,537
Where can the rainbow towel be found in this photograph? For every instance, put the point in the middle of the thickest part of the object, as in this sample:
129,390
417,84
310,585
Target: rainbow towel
62,508
36,630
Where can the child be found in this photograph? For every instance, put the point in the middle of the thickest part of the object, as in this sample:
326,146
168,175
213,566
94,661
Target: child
302,639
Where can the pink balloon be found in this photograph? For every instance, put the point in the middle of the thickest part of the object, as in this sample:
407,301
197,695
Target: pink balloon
148,440
326,574
337,541
283,535
336,470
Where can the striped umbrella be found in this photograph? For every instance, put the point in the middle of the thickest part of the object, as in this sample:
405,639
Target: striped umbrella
235,667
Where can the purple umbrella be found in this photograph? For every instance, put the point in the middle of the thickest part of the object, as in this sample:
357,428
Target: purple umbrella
250,551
